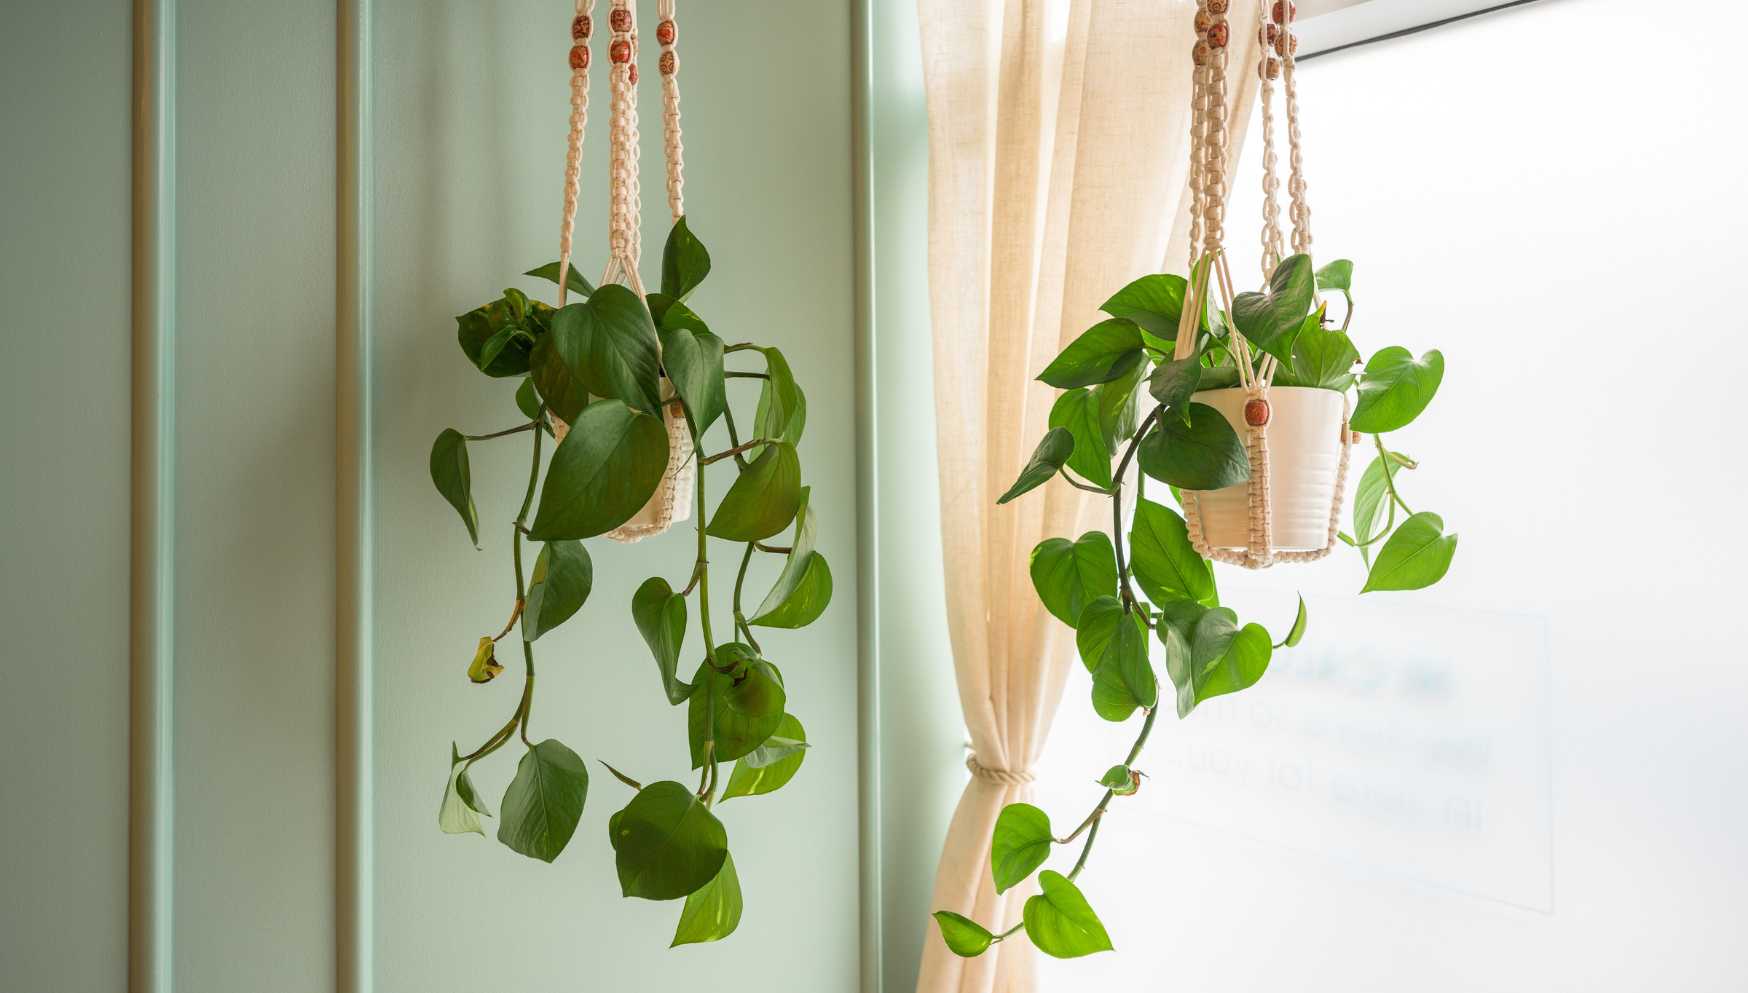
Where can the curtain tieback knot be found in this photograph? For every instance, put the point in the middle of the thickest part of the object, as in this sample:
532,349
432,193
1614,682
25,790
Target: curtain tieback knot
1001,777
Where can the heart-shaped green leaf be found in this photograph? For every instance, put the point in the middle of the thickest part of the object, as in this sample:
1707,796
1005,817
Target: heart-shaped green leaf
1222,658
1416,556
1098,622
660,615
692,358
1070,575
770,766
804,587
528,399
1174,382
1119,779
782,409
1046,460
666,844
1155,302
602,474
1020,844
544,802
1060,921
562,392
1103,352
480,325
763,499
1204,454
712,912
1337,275
1166,565
1111,697
549,272
1323,358
610,345
1273,318
1395,388
1126,652
685,262
1078,411
1117,406
965,937
562,577
738,709
453,479
1372,499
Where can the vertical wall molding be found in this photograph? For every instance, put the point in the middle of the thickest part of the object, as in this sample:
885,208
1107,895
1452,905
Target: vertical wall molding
354,907
867,517
151,643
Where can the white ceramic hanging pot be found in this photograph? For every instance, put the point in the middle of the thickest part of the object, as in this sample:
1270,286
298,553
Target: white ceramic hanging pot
1305,447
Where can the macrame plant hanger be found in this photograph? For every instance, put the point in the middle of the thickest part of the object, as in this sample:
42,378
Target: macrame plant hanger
1209,140
672,500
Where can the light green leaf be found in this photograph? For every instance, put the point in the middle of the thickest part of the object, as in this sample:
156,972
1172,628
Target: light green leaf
964,936
1155,302
660,615
1395,388
1070,575
450,474
549,272
1126,653
804,587
461,808
1273,318
1204,454
1078,411
1098,622
666,844
685,262
1297,633
713,911
770,766
1111,697
1020,844
1337,275
563,575
1372,499
1222,658
1060,921
1120,779
764,497
610,345
1046,460
1117,406
738,709
544,801
1324,358
1416,556
1165,563
1102,353
782,409
602,474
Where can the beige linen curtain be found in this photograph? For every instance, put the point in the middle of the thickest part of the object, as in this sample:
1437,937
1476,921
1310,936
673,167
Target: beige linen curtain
1057,167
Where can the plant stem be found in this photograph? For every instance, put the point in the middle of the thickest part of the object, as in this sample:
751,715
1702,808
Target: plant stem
518,429
1098,812
1390,476
733,435
747,375
1077,484
527,705
1116,493
703,566
740,579
735,451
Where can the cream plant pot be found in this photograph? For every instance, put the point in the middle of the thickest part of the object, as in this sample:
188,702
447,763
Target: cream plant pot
1304,444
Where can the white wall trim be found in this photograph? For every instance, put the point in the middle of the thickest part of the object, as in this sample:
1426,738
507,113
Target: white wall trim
1328,25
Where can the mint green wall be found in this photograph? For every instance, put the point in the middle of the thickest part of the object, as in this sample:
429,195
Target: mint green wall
64,180
468,107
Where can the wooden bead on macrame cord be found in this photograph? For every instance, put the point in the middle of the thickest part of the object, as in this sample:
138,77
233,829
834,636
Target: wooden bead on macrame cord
666,32
1266,35
666,63
1286,44
579,56
580,27
631,73
620,51
1256,412
1271,69
1202,53
620,19
1218,6
1203,22
1284,11
1219,34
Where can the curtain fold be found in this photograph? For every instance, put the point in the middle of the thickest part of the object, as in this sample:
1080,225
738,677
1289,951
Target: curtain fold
1057,171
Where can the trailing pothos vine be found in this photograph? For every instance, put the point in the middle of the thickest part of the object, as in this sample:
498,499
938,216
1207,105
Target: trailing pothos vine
606,366
1146,582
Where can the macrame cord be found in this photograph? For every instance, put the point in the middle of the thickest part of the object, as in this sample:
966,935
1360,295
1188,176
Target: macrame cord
1209,141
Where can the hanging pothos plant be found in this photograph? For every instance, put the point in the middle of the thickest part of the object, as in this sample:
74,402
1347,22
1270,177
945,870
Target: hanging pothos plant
600,365
1124,590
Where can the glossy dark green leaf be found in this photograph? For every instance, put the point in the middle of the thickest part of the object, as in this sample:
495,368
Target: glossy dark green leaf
610,345
461,808
692,357
562,393
1155,302
1272,319
1119,779
1069,575
1020,844
666,844
602,474
562,577
1047,458
1117,407
1060,921
1204,454
480,325
660,615
712,912
450,473
528,399
1174,382
1395,388
1126,653
782,409
1297,633
495,345
804,587
544,801
1165,564
1416,556
1078,411
685,262
1098,622
739,709
1103,352
965,937
763,499
549,272
1324,358
770,766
